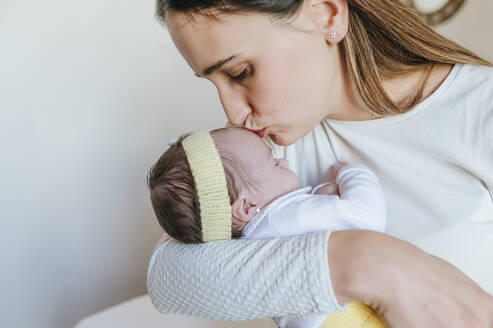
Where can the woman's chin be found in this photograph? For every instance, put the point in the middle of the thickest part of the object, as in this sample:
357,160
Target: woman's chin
283,140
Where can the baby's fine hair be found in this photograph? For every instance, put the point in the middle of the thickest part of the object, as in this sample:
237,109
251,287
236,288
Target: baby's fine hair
174,194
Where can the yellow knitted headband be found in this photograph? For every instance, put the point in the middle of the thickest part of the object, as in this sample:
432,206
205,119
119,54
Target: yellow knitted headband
208,173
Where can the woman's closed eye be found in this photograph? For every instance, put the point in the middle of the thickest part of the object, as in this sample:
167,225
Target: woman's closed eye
243,75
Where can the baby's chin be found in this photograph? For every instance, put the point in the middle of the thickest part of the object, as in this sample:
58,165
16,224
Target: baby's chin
295,182
298,185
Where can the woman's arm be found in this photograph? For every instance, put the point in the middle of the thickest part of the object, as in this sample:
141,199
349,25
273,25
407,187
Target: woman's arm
243,279
407,287
250,279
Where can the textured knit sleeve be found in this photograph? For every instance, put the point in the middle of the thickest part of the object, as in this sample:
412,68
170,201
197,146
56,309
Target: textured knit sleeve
243,279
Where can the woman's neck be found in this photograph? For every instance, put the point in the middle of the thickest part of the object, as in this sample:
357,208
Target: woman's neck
399,88
353,108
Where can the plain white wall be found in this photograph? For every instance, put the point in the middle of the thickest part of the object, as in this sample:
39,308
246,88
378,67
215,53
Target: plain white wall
90,93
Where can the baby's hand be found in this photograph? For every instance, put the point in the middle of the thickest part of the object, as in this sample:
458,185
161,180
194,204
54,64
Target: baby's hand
330,189
332,174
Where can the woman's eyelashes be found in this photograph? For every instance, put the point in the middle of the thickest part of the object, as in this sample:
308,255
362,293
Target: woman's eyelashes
243,75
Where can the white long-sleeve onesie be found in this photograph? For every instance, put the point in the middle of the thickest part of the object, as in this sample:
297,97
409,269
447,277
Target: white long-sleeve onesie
361,205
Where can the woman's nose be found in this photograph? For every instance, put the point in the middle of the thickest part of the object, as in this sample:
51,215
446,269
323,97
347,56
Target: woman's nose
235,105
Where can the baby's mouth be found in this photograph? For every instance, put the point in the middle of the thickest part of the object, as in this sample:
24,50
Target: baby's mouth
260,133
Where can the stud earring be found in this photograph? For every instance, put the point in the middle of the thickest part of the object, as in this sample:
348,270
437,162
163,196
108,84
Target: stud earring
256,210
333,34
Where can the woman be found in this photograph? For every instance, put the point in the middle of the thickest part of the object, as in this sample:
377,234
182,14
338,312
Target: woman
342,80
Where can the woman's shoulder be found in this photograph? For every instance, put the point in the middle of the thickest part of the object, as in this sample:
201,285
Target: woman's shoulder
476,76
471,99
472,88
477,69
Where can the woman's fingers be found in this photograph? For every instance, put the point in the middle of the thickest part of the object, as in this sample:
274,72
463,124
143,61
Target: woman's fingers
489,318
443,296
406,286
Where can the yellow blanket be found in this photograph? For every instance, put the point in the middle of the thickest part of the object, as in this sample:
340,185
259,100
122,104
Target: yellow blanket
357,315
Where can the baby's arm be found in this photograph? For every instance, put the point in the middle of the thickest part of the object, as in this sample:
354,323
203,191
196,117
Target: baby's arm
360,206
362,197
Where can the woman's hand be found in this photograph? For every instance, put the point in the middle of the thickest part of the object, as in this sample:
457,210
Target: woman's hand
406,286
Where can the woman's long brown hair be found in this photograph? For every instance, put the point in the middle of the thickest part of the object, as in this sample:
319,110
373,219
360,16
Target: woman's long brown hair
385,39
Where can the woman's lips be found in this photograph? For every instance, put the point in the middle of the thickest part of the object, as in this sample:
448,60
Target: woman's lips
260,133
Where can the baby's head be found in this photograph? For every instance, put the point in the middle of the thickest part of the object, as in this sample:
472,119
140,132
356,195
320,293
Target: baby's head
253,178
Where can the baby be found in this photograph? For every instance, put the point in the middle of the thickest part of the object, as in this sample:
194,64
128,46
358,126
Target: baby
266,197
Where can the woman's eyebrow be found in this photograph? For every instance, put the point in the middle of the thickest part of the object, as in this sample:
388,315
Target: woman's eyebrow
209,70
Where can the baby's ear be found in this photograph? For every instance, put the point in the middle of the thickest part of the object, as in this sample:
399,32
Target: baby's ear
242,209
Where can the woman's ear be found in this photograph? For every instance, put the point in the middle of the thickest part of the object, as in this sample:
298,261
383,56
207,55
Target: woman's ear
331,17
243,209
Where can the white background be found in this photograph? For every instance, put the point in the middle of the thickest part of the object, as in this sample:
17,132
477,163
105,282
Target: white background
90,93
